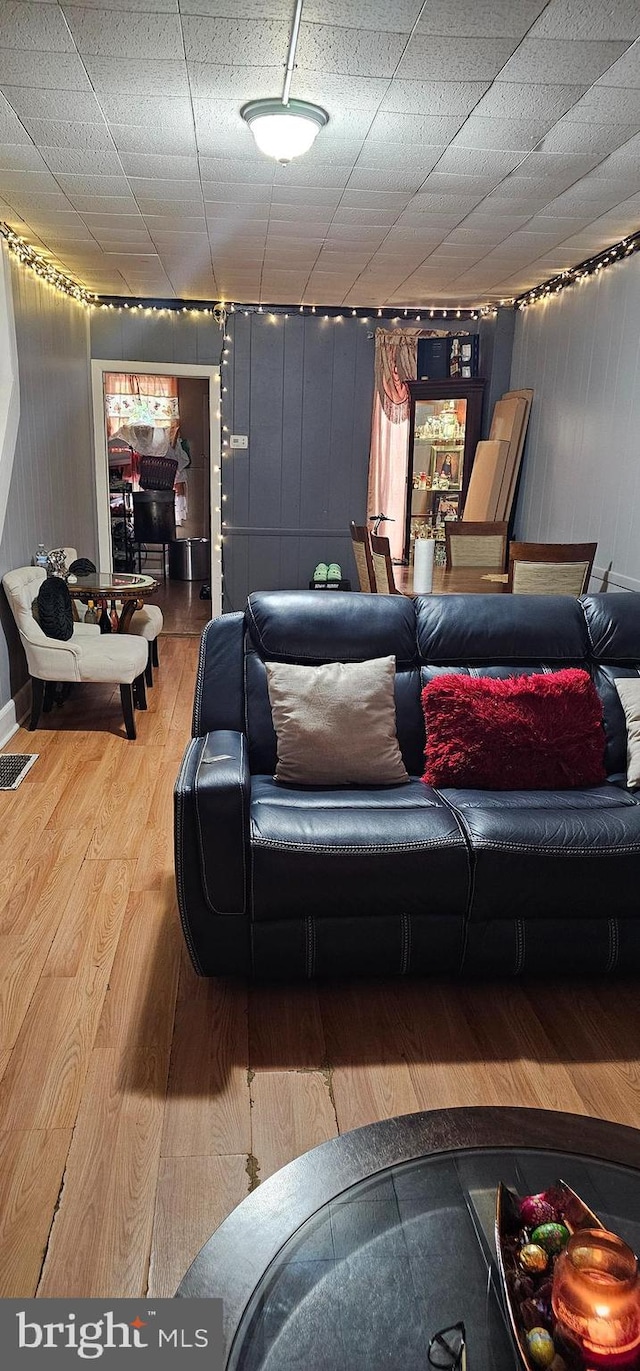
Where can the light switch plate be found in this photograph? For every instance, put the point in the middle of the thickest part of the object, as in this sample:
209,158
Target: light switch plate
238,440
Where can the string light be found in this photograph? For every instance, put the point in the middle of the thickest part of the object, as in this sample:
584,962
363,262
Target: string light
44,269
591,266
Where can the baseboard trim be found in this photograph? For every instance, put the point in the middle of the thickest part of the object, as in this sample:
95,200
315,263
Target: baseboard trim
614,580
13,713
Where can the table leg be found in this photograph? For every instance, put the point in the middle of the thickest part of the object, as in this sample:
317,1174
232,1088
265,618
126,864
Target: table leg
128,607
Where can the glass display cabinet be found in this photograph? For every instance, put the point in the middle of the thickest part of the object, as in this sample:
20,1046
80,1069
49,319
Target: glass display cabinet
444,429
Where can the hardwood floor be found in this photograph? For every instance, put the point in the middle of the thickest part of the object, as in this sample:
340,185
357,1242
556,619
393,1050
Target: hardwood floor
140,1103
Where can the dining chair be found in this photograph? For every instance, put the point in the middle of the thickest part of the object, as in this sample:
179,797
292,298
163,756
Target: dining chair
87,655
147,622
362,556
475,545
550,568
384,580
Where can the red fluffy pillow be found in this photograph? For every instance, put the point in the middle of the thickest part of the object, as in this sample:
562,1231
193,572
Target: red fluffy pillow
524,733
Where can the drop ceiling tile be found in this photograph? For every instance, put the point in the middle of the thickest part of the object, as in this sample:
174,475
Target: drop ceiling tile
440,98
26,204
51,70
554,59
185,242
148,187
429,58
108,33
33,26
49,133
150,140
104,204
381,217
572,136
115,223
588,19
480,18
506,134
129,75
75,238
234,213
369,179
624,72
180,168
412,129
139,242
212,81
425,204
11,129
608,105
219,196
326,196
361,233
385,200
300,217
555,165
171,223
228,170
417,161
446,183
168,116
83,162
94,185
347,51
485,236
493,163
510,99
21,157
308,175
220,40
178,209
362,14
331,91
60,105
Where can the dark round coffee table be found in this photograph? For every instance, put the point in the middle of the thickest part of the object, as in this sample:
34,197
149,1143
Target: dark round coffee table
354,1255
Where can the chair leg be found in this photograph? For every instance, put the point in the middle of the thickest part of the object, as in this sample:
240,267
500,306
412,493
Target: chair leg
154,652
126,696
139,693
37,698
148,671
50,689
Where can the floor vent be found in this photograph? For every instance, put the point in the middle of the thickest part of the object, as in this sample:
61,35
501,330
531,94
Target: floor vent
14,767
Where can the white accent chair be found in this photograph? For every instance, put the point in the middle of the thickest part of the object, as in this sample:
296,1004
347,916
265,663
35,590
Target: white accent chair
87,656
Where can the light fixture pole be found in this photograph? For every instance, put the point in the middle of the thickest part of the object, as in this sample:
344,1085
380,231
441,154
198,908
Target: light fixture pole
285,128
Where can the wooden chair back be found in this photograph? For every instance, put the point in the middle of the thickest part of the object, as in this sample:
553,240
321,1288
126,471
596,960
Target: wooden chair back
475,544
383,566
362,556
550,568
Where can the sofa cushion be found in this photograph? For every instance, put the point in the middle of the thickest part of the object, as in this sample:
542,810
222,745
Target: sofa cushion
303,626
355,852
336,723
548,629
529,732
551,854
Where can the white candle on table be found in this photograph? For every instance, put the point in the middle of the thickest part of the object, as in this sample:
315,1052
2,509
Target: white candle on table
423,565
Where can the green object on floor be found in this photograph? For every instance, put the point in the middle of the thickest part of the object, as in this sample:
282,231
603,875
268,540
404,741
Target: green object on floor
334,572
320,573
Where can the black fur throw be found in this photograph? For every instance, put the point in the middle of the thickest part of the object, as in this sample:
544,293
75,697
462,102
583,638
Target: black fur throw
82,567
54,609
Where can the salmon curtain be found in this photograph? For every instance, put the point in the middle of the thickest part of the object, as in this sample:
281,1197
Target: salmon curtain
151,401
396,362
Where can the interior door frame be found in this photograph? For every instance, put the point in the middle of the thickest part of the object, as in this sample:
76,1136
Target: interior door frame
211,373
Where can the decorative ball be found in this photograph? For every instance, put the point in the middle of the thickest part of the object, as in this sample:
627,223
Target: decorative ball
536,1209
540,1345
551,1236
533,1258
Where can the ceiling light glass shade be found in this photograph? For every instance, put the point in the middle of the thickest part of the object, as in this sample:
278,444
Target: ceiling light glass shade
284,131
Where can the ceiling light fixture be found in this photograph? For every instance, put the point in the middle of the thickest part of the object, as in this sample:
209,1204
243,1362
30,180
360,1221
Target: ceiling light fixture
285,128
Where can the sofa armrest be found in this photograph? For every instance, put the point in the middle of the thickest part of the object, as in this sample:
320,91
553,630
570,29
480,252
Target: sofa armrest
212,795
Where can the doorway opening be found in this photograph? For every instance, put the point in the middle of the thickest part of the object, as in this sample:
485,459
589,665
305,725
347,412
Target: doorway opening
157,437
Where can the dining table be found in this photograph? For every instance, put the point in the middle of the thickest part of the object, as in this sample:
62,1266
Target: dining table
467,580
104,587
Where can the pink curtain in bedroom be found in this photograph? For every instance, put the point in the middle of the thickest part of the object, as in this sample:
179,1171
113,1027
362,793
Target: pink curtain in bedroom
395,364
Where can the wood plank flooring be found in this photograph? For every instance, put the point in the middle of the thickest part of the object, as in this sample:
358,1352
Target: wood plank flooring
139,1103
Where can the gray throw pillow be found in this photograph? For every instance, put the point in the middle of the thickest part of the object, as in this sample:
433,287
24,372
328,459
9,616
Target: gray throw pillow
629,691
336,724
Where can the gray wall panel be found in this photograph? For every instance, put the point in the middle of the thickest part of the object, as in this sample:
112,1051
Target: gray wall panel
580,351
52,495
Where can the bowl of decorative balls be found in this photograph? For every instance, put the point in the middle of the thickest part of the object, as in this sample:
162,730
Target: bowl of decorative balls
531,1233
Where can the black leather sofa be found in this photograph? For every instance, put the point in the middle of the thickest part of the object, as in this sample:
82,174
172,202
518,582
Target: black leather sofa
276,881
